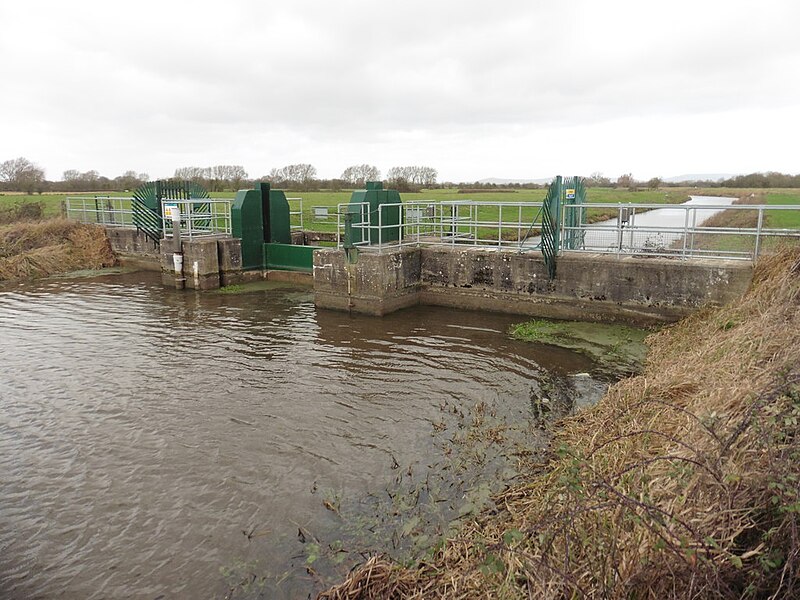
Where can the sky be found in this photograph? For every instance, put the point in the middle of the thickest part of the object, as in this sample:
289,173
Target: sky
506,89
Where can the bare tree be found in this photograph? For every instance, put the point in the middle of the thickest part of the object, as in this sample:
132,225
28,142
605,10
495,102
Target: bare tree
300,176
626,180
599,180
130,180
358,175
22,175
411,178
215,178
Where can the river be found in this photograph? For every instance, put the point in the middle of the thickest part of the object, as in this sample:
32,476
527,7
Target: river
165,444
653,229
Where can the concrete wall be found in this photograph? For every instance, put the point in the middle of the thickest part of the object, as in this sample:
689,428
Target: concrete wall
208,262
377,284
587,287
134,249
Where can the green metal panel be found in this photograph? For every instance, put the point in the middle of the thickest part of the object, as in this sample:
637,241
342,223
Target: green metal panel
550,225
287,257
384,221
279,230
247,223
147,199
574,217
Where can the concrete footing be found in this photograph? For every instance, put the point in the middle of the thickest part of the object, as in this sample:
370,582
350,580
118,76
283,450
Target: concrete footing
588,287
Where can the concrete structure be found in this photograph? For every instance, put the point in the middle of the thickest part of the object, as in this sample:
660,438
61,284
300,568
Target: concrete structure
207,263
134,248
588,287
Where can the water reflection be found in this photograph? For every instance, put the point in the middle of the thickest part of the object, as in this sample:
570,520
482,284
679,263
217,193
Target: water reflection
155,442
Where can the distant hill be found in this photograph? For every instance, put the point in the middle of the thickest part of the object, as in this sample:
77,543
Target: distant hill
699,177
674,179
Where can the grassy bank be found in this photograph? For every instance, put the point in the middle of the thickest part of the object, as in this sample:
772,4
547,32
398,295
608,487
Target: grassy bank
40,248
683,482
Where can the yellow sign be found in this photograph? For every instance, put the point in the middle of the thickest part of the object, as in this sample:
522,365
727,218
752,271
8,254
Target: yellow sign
570,194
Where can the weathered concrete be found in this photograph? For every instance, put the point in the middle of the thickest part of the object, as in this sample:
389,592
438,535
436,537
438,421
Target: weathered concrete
201,264
313,237
229,257
378,284
133,248
588,287
219,261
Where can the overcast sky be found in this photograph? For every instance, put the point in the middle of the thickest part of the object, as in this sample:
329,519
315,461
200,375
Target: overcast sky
511,89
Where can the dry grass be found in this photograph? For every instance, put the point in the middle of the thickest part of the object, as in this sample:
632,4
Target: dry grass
683,482
42,248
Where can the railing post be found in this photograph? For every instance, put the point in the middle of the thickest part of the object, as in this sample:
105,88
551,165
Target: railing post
758,232
685,231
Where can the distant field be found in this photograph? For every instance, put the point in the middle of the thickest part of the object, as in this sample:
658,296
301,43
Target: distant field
52,202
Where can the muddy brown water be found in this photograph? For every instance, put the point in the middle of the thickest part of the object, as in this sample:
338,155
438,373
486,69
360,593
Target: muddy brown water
164,444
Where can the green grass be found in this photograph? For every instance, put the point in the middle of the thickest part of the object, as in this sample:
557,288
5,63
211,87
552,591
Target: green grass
52,202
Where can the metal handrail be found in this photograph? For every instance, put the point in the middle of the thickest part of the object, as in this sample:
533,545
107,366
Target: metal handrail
688,238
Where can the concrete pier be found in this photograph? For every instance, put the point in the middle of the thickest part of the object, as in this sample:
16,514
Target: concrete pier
588,287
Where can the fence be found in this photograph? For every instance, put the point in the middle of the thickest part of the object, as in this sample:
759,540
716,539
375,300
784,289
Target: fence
686,230
489,224
199,217
678,231
295,213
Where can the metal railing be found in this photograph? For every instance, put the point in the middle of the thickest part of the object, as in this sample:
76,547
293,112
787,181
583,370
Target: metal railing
514,225
295,213
198,217
111,211
673,230
685,230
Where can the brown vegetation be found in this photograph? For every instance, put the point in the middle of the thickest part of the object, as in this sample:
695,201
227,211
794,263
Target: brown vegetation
41,248
683,482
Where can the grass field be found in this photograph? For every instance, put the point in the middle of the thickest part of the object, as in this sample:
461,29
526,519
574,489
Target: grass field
52,203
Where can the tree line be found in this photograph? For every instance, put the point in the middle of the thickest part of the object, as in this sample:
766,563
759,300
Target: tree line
22,175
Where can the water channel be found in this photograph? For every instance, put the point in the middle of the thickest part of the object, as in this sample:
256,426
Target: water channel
656,228
164,444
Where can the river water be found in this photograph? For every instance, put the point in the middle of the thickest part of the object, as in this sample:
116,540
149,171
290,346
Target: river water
165,444
656,228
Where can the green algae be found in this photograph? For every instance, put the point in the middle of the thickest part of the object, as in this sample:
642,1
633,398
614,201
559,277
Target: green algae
616,349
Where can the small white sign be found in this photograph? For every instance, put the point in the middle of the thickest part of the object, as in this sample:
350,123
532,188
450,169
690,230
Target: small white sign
570,194
172,211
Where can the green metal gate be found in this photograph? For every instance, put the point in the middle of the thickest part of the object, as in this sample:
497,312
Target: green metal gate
565,197
147,200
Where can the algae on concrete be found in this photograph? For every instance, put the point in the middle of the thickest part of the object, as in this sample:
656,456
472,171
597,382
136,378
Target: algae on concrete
616,348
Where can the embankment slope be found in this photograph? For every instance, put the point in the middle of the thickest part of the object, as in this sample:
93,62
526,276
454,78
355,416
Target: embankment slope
683,482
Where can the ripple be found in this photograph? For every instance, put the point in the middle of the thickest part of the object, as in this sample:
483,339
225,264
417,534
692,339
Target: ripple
143,430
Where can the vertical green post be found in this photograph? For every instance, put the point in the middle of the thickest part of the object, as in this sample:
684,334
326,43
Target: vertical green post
247,224
550,225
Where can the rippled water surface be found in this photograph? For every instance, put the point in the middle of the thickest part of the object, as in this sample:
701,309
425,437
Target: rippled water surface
156,443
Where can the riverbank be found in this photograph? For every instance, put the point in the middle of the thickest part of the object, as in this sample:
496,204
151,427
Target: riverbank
31,249
681,482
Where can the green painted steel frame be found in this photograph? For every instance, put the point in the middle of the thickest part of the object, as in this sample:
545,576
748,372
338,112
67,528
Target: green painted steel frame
383,221
147,200
552,243
287,257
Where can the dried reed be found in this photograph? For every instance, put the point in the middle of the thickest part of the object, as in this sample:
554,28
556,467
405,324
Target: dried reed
683,482
41,248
